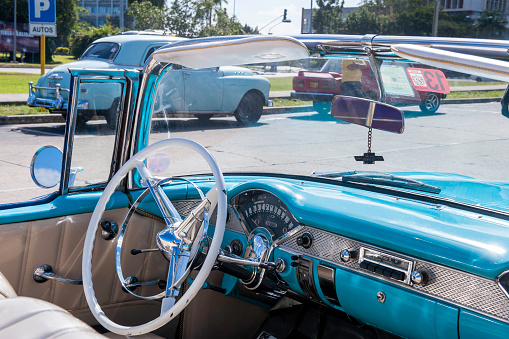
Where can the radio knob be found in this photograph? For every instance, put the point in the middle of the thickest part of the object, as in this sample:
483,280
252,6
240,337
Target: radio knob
305,240
345,255
419,277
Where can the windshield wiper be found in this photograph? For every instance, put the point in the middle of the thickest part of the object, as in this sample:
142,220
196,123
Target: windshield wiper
378,178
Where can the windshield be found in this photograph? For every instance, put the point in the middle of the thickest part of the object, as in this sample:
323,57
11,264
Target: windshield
454,130
101,50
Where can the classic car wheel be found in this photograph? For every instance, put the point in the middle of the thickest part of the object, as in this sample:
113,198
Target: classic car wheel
174,243
81,120
431,103
322,107
250,109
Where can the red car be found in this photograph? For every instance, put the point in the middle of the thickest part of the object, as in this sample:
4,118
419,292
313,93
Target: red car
426,86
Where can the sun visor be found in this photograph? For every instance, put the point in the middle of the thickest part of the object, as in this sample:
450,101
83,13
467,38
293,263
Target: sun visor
259,49
459,62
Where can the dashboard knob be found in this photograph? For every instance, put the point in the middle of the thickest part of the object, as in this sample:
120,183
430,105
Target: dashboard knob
420,277
236,247
280,265
345,255
305,240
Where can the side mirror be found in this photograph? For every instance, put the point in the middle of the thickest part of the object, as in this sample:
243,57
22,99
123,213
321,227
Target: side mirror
368,113
45,167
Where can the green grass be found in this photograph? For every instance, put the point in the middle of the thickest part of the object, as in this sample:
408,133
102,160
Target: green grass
21,110
16,82
62,59
282,102
57,60
281,83
474,83
475,94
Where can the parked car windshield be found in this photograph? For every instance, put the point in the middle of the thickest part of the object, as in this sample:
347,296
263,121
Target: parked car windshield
101,50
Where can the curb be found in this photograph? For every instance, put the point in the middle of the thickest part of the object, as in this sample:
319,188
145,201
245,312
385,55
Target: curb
57,118
13,103
30,119
469,101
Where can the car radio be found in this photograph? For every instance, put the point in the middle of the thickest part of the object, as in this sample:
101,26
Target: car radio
385,264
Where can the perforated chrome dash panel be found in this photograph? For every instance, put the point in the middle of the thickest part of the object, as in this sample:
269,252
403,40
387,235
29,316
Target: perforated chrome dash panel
462,289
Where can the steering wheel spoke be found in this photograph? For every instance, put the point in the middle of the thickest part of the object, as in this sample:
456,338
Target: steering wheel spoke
168,211
180,240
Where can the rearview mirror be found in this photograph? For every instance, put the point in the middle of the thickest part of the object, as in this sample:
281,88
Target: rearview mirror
45,167
368,113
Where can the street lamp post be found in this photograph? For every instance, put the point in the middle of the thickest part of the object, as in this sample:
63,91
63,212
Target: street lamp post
15,33
285,20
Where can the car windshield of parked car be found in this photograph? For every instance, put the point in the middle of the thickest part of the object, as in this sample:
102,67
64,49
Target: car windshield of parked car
101,50
454,130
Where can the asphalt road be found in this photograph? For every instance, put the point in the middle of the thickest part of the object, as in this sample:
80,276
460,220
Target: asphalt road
470,139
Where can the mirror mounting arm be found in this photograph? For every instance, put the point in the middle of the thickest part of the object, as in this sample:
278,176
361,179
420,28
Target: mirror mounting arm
376,71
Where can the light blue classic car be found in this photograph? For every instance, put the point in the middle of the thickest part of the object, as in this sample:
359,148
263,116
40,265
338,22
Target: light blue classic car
370,222
227,90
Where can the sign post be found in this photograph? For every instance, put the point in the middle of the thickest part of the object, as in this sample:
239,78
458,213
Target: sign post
43,18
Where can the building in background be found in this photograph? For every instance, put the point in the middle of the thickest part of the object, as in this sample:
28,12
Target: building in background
99,10
475,7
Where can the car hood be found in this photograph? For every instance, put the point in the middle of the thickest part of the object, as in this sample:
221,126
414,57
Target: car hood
63,77
85,63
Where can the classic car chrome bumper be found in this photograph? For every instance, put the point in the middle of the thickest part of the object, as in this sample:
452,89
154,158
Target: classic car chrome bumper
57,103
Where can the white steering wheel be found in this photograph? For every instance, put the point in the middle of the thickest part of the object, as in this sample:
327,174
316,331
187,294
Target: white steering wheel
172,240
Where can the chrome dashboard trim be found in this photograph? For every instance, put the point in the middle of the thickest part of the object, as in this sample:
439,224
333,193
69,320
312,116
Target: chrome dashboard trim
446,284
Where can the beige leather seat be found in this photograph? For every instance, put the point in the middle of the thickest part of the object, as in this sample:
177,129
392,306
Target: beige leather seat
6,290
22,317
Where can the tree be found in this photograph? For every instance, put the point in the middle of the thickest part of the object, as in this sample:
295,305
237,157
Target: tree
147,16
156,3
181,19
224,25
400,17
455,25
327,18
363,21
491,22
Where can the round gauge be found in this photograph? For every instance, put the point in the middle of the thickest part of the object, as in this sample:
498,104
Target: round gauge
264,209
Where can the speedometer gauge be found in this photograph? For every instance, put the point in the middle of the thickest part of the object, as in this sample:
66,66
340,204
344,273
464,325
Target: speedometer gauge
263,209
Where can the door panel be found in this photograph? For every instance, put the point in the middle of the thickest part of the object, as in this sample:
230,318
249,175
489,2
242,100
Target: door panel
59,243
203,89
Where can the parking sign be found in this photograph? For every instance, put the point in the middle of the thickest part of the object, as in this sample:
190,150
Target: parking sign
42,15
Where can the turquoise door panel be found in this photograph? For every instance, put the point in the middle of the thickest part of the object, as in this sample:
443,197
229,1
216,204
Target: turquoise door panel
401,312
475,326
446,321
63,205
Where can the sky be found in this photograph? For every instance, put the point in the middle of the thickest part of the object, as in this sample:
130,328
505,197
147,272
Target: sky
261,12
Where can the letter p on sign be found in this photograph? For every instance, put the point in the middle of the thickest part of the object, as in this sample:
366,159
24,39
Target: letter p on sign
40,6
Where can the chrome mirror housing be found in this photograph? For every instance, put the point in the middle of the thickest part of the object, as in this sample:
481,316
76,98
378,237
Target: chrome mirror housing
46,166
